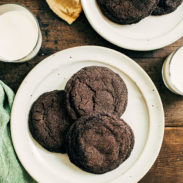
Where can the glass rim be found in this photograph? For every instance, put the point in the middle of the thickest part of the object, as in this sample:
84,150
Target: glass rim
169,74
38,32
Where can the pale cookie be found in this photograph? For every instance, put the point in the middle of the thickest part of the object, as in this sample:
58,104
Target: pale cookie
68,10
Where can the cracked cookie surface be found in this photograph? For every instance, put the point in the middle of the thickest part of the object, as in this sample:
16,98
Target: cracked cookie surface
95,89
99,143
166,6
48,121
127,11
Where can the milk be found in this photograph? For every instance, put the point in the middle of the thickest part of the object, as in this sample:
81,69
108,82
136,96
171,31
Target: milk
176,69
172,71
19,34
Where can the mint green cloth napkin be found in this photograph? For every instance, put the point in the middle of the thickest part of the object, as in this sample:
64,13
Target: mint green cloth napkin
11,170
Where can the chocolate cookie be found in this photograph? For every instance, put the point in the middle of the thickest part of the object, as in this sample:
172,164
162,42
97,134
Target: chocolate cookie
127,11
48,121
95,89
166,6
99,143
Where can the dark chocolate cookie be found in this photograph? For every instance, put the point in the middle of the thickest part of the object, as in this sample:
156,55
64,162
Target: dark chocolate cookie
99,143
127,11
95,89
48,121
166,6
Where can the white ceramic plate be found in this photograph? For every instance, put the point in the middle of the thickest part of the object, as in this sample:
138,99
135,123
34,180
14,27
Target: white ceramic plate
151,33
144,114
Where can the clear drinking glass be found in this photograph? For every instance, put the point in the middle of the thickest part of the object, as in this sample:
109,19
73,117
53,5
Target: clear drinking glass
166,74
14,7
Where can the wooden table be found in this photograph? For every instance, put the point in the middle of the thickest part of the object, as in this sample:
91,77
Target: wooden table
57,35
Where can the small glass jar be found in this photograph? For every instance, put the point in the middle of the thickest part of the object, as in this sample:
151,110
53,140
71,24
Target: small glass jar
169,71
15,7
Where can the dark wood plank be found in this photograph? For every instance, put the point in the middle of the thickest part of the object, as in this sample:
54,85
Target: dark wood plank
168,168
58,35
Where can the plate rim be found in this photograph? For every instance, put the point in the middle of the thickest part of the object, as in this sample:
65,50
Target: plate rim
146,46
38,66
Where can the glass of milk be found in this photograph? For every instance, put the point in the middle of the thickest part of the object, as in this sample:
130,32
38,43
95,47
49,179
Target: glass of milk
172,71
20,35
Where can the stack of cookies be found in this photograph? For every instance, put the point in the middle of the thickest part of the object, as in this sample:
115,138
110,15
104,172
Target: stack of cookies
132,11
84,120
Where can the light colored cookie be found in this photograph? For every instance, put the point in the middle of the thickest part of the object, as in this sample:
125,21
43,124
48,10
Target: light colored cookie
68,10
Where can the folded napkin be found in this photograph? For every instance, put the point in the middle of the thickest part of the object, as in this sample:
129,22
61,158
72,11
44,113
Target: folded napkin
11,170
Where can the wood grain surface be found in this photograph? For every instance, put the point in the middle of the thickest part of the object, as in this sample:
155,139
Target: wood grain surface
58,35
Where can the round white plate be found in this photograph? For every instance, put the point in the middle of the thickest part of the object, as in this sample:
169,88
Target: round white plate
144,114
151,33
